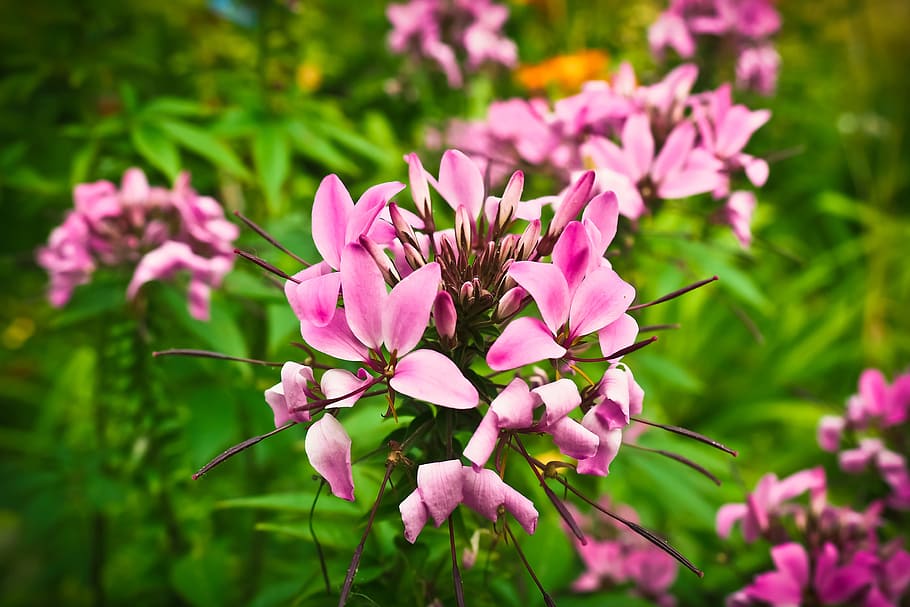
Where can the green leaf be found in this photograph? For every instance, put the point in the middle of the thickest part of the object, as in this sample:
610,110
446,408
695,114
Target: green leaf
320,150
293,502
200,141
201,579
273,162
174,106
156,148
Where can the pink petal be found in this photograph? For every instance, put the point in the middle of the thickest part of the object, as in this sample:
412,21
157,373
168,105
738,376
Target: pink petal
328,447
775,588
514,406
335,339
573,200
367,209
573,439
689,183
483,491
607,155
297,295
737,127
440,487
571,255
613,411
548,287
524,341
638,144
603,212
407,310
460,182
317,298
483,441
619,334
608,446
560,398
430,376
676,150
295,378
134,188
601,299
791,560
339,382
420,192
331,209
521,508
364,293
757,171
413,515
444,315
727,516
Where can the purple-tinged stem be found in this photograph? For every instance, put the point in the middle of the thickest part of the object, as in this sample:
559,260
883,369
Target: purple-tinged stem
674,294
215,355
328,401
355,560
650,328
265,265
456,572
681,459
621,352
271,239
642,531
322,565
546,597
238,448
689,434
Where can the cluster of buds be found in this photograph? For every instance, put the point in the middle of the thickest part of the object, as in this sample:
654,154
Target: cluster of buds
647,144
156,231
824,554
875,422
741,28
446,327
613,559
455,35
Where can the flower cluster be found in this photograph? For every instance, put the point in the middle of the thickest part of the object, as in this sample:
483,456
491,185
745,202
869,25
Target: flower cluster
740,27
436,323
645,143
456,35
613,558
156,231
825,554
875,419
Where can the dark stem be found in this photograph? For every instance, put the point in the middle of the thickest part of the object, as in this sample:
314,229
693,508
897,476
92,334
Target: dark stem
265,265
215,355
674,294
355,560
679,458
546,597
322,565
240,447
688,434
456,572
271,239
650,328
621,352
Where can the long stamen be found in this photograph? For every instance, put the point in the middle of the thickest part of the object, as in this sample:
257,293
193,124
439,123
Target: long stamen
674,294
215,355
355,560
456,572
557,503
229,453
271,239
642,531
521,555
322,565
689,434
265,265
328,401
664,327
622,352
681,459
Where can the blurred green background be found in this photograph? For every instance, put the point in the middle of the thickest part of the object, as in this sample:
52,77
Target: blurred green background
261,100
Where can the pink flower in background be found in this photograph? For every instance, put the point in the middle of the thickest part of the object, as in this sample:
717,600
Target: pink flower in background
456,35
157,232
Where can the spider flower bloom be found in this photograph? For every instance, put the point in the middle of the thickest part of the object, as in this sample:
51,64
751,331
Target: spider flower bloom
157,232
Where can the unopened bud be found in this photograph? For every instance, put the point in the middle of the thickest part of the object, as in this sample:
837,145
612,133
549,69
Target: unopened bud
510,197
385,265
528,240
510,303
575,199
413,257
444,315
463,232
419,190
466,293
403,229
507,247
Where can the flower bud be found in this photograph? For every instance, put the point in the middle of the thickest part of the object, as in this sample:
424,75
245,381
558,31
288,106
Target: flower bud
528,240
385,265
574,200
444,315
403,229
413,256
510,197
419,190
466,293
463,233
510,303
